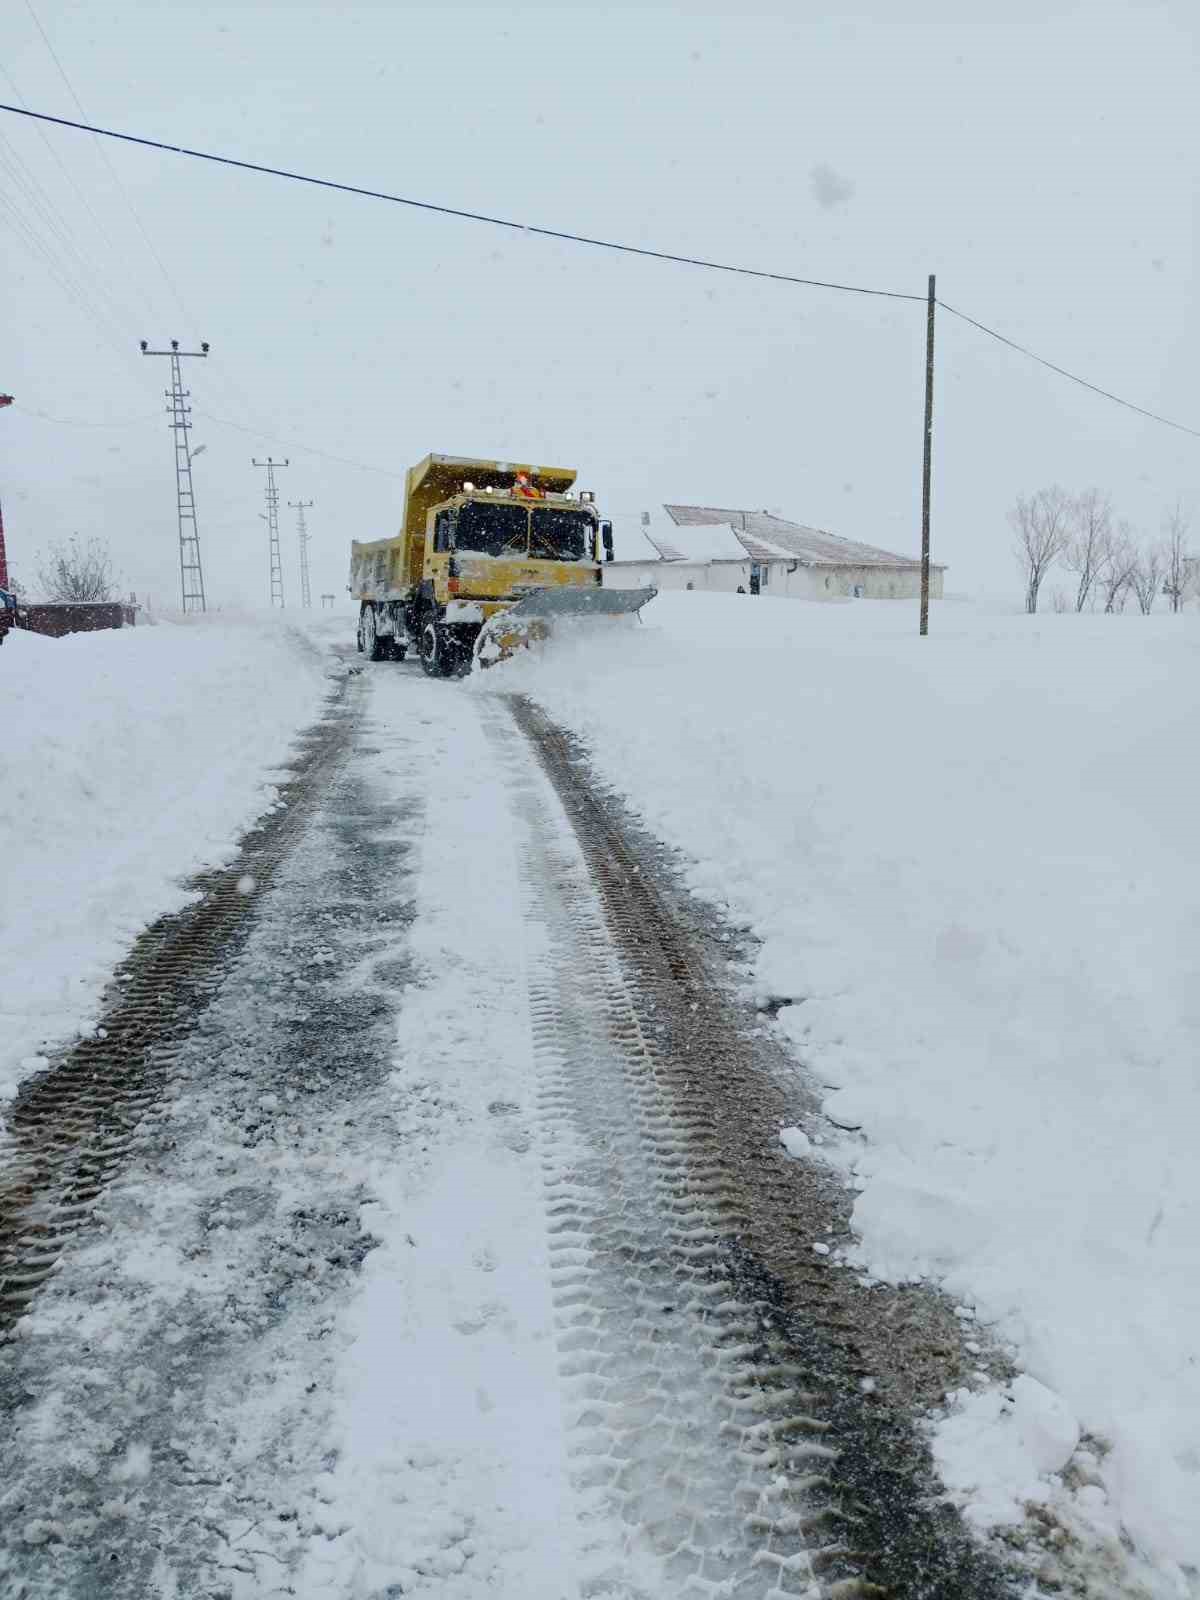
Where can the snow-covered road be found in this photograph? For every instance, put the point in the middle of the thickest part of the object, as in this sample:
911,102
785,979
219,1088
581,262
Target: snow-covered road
419,1279
463,1255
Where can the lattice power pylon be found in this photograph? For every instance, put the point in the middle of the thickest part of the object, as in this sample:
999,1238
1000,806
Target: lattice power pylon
302,533
191,574
273,528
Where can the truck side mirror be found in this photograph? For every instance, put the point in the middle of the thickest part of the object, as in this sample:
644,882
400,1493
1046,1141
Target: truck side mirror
606,540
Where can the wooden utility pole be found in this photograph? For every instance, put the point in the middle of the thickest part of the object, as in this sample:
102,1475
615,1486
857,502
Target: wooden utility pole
5,400
927,473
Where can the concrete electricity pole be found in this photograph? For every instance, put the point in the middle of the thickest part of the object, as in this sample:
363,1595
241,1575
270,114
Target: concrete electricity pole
273,528
299,507
191,575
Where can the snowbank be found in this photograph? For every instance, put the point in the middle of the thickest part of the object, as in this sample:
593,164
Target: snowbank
131,759
974,863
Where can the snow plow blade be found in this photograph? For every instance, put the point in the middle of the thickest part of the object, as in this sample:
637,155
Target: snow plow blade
532,618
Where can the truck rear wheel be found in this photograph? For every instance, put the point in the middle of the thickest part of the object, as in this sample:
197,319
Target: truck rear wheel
375,647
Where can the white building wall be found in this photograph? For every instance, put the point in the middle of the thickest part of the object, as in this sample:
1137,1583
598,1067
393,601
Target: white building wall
804,583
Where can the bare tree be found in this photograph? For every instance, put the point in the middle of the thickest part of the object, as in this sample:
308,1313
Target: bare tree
76,571
1041,523
1116,580
1087,550
1176,559
1147,577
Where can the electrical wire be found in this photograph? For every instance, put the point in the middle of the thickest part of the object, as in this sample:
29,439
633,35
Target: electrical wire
108,164
302,449
1063,373
575,238
42,207
86,422
56,262
223,383
97,228
452,211
228,389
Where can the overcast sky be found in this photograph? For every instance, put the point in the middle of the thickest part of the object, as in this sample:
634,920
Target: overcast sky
1041,158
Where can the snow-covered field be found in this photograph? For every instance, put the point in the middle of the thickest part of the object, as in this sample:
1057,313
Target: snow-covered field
974,866
131,759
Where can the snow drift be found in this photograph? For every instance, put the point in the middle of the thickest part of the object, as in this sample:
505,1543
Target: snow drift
131,759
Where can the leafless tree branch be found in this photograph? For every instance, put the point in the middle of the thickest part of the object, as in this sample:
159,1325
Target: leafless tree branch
1041,525
1116,579
1086,551
77,571
1147,577
1176,558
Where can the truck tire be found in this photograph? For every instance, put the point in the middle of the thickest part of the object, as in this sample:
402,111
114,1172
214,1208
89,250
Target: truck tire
436,657
377,649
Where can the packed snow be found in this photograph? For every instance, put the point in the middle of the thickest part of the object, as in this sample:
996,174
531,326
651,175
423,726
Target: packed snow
973,865
451,1474
133,758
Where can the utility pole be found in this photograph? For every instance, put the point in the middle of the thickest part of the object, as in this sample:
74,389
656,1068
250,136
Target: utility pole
300,506
191,576
927,473
5,400
273,528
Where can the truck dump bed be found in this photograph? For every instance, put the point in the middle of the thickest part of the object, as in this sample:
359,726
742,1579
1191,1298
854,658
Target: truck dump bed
377,569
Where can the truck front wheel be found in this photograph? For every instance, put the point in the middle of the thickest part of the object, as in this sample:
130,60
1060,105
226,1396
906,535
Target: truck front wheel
435,654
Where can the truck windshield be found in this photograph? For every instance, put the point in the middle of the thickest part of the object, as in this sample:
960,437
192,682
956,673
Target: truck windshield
492,530
556,535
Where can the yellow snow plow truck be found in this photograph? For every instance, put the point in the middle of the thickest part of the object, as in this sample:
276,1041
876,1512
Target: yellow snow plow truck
490,554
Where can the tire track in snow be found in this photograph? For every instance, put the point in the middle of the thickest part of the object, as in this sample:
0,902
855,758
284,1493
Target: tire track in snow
694,1431
169,1394
71,1127
726,1424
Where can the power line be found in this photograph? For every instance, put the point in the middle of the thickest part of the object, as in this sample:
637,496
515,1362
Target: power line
85,422
57,263
230,390
108,164
97,224
305,449
224,422
453,211
1074,377
572,238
